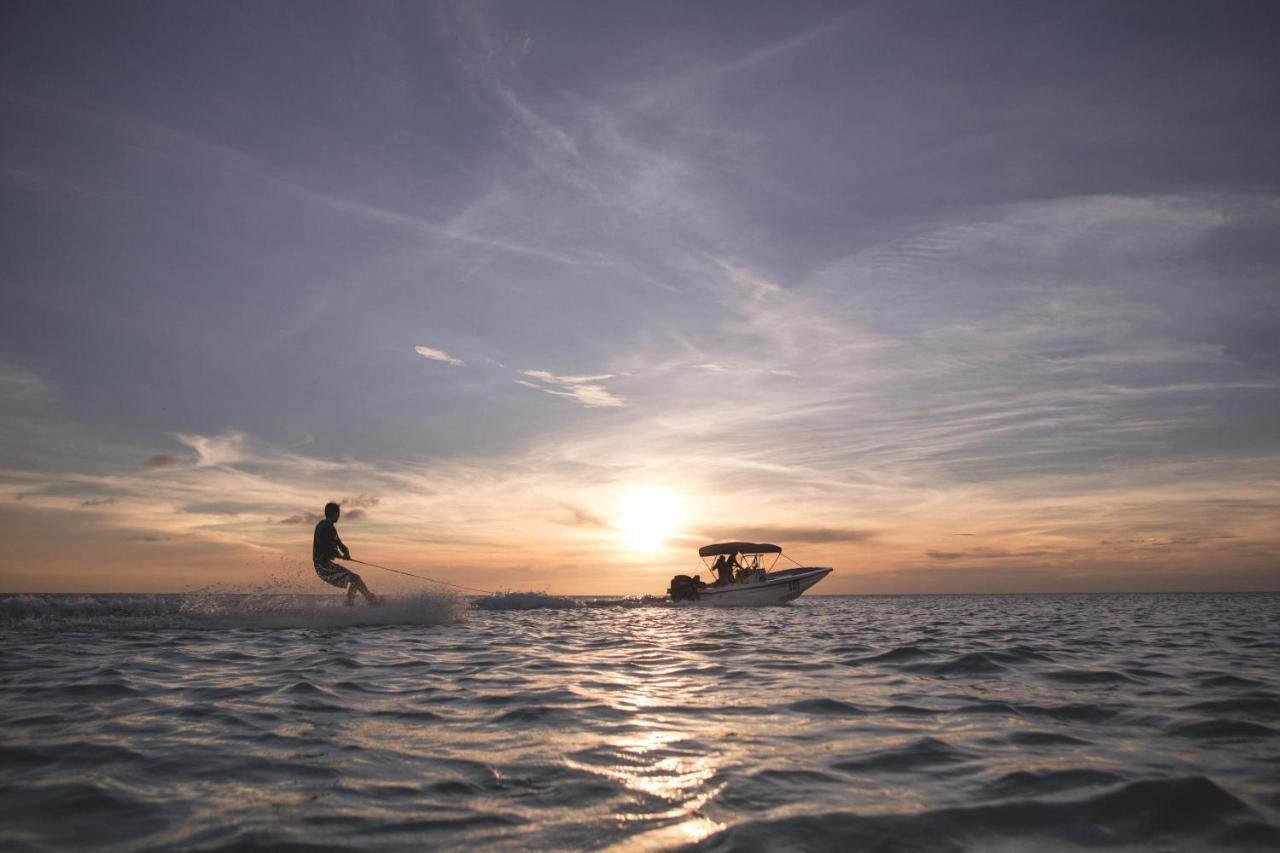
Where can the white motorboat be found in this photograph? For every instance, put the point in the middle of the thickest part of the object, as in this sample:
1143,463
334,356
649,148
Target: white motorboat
745,582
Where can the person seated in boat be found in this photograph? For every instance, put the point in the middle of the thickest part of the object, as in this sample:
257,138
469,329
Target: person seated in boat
326,545
724,568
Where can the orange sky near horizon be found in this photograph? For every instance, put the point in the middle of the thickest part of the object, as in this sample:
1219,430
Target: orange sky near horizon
615,540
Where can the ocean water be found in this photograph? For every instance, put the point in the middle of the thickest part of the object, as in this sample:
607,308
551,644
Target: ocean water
1136,722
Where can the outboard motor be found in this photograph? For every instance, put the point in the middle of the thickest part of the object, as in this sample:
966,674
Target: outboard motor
685,588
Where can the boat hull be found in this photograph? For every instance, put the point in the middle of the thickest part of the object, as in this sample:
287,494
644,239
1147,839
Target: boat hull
774,588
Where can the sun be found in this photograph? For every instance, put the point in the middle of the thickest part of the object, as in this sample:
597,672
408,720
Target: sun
648,516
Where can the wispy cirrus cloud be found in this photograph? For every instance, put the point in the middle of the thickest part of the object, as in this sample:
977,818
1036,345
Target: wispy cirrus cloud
987,554
585,389
302,518
784,535
223,449
580,517
438,355
19,384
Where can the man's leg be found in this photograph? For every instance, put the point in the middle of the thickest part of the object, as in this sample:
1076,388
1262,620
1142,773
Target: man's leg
358,585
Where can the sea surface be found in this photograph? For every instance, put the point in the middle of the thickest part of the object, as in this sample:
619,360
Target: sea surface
218,722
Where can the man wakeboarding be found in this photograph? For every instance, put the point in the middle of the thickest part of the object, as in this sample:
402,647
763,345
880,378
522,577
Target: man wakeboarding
325,547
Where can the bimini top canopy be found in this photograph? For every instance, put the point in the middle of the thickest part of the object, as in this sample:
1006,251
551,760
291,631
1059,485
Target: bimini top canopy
738,548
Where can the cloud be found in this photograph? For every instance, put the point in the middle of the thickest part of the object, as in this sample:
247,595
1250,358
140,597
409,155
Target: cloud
149,537
584,389
752,283
986,554
225,449
302,518
579,517
438,355
786,535
220,508
168,143
353,508
18,384
98,502
161,460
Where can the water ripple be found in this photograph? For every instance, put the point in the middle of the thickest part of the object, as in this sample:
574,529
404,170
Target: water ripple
913,723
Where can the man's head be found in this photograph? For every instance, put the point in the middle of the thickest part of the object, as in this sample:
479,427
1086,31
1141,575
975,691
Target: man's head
332,511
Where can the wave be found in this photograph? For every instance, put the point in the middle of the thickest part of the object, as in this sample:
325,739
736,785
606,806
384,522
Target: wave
1221,729
1088,676
826,708
973,663
908,711
1229,681
1256,704
1021,783
72,813
919,661
1187,811
1075,712
1036,738
925,752
900,654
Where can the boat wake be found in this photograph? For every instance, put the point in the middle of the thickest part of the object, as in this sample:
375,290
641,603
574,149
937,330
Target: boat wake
546,601
229,610
525,601
272,608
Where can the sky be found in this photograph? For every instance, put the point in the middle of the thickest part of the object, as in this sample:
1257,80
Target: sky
977,297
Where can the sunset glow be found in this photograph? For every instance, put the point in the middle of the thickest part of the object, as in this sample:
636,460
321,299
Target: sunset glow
648,517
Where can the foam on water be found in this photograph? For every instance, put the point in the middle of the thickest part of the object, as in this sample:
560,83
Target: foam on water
272,608
515,600
525,601
231,610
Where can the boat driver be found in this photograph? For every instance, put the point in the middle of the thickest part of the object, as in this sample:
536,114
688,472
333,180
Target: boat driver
724,568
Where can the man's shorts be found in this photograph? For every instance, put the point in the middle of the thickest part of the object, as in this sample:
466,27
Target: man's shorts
335,575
